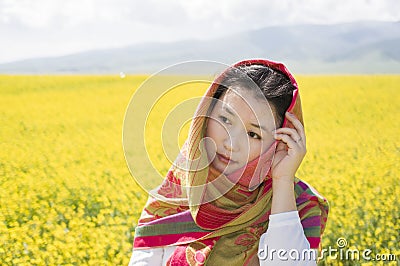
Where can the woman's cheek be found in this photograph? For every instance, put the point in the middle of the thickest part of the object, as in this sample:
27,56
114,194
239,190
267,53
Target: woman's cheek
215,129
256,149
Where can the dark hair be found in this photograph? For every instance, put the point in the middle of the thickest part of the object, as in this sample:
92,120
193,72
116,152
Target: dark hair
275,86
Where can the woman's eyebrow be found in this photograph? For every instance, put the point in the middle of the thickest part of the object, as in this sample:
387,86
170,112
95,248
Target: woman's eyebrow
258,126
226,108
230,111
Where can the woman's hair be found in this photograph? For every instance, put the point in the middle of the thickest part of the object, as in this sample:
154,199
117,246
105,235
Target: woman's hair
274,85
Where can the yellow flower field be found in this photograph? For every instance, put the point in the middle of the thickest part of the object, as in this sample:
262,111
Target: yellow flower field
67,197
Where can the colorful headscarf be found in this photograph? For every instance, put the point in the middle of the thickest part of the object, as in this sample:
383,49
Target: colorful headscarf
208,228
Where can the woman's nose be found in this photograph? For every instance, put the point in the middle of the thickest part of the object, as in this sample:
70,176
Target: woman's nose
232,143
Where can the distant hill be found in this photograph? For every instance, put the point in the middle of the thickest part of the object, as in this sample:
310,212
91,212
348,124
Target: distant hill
359,47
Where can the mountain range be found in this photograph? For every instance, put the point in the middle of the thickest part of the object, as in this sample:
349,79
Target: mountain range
365,47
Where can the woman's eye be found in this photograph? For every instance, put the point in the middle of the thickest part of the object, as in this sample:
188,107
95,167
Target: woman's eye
254,135
224,119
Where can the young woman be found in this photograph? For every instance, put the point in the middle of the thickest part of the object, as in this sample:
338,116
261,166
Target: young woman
231,197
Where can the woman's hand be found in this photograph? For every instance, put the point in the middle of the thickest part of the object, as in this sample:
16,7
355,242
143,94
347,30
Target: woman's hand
287,160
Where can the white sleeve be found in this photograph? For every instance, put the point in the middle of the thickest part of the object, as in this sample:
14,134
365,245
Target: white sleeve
284,242
150,257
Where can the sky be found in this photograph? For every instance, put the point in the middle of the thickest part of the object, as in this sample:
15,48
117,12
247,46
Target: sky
41,28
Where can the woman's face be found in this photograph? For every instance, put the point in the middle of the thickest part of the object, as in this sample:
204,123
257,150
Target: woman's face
238,130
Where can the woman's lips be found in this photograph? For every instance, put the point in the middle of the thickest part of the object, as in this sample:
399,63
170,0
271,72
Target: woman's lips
224,159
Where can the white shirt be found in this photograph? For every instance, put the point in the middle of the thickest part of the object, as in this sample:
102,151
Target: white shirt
284,243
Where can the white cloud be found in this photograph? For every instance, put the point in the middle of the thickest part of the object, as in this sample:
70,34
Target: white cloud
53,27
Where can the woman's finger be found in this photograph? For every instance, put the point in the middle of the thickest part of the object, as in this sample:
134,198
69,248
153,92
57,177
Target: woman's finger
290,131
297,124
299,150
291,143
281,146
